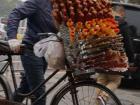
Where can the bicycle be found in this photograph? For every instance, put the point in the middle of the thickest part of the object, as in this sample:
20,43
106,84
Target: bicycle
79,90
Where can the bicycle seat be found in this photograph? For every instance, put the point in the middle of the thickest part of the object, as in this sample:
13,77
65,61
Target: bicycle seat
5,49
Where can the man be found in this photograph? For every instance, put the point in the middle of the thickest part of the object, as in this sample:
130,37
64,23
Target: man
125,31
39,20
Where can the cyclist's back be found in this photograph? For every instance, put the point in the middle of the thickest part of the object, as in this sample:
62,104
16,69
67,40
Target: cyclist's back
38,21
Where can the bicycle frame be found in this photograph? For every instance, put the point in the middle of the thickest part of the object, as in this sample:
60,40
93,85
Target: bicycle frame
5,67
69,74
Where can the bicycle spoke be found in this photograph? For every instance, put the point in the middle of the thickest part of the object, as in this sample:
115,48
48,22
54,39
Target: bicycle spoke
68,98
88,92
92,95
65,102
83,94
78,98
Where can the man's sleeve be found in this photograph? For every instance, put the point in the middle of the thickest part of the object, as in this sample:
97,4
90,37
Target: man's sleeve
20,12
128,44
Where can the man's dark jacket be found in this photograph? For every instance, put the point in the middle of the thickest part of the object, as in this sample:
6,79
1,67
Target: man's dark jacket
39,20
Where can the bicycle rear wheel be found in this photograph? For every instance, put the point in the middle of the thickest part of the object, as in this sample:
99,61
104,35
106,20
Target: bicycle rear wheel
5,90
86,95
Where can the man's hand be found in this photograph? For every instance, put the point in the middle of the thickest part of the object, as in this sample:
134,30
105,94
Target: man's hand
14,45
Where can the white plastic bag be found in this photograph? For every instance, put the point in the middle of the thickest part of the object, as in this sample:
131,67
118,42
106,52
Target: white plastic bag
53,51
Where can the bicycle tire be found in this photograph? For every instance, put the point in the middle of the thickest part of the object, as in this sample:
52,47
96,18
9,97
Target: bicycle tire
66,89
5,90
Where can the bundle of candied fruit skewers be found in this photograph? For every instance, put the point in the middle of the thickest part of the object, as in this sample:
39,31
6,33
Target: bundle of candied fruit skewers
91,34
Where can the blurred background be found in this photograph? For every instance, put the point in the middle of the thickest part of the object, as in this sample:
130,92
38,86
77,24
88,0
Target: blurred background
132,8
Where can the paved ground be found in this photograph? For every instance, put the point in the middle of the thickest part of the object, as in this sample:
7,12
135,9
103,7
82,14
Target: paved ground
129,97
